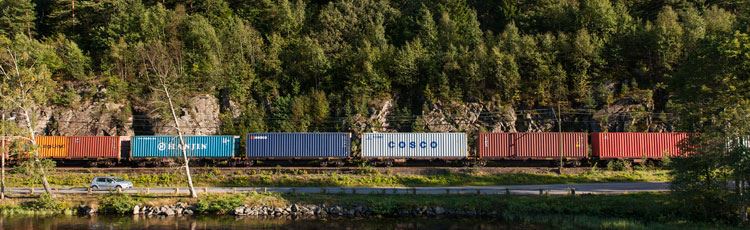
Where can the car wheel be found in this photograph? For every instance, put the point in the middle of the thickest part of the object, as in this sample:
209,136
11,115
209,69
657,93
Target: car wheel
94,187
118,187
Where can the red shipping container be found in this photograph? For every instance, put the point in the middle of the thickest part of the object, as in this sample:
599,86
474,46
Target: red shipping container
94,147
636,145
546,145
537,146
496,146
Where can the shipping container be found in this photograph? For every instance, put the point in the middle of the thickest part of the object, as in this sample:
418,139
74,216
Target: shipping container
55,147
496,146
533,145
548,145
94,147
169,146
636,145
414,145
297,145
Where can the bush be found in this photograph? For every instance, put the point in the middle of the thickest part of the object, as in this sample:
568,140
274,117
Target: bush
219,204
45,202
666,161
117,204
619,165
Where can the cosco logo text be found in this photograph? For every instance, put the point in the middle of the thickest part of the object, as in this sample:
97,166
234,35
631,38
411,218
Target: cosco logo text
413,144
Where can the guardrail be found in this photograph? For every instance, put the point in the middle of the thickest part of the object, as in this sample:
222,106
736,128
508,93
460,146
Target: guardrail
343,190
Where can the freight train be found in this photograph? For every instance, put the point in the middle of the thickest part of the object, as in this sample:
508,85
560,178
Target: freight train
335,149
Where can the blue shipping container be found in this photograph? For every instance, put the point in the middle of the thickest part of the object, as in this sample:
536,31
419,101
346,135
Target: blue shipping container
169,146
298,145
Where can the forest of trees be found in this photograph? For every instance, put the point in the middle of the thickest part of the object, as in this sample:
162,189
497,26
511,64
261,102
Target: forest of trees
294,65
317,65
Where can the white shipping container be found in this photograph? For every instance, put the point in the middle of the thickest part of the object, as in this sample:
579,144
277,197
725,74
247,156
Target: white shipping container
415,145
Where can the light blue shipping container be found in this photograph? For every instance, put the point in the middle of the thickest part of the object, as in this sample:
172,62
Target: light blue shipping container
414,145
169,146
298,145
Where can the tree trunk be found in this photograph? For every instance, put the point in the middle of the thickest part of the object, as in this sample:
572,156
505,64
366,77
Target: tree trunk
183,146
743,200
43,172
4,152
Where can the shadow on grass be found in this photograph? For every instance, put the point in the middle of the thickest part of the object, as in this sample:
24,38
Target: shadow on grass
438,177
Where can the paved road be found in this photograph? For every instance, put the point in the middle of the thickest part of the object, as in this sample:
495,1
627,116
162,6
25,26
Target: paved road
555,189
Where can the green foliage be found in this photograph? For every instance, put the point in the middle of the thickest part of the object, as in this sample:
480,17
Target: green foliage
117,203
219,204
619,165
35,168
718,75
364,177
292,65
17,17
45,202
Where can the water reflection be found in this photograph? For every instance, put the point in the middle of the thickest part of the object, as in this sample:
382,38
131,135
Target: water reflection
213,222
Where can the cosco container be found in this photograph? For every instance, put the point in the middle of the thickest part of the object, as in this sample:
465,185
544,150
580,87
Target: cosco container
196,146
414,145
533,145
94,147
636,145
298,145
52,146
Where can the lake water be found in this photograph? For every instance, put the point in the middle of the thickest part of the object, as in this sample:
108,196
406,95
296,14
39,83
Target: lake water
227,222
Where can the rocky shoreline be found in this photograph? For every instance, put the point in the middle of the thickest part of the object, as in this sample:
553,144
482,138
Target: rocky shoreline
297,211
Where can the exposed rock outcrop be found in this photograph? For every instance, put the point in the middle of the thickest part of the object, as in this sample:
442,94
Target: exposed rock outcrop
199,117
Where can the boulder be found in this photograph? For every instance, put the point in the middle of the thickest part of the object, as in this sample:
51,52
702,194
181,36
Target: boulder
169,212
294,208
239,211
438,210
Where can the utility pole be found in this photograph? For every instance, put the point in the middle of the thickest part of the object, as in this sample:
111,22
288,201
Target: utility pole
559,138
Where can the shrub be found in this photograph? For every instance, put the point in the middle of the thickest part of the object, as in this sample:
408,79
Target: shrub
117,204
219,204
619,165
666,160
45,202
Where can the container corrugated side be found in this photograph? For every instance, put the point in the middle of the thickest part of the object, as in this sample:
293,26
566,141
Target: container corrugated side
414,145
52,146
628,145
169,146
546,145
94,147
297,145
496,146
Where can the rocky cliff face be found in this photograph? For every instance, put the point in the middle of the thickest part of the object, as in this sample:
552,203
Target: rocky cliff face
86,118
200,116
